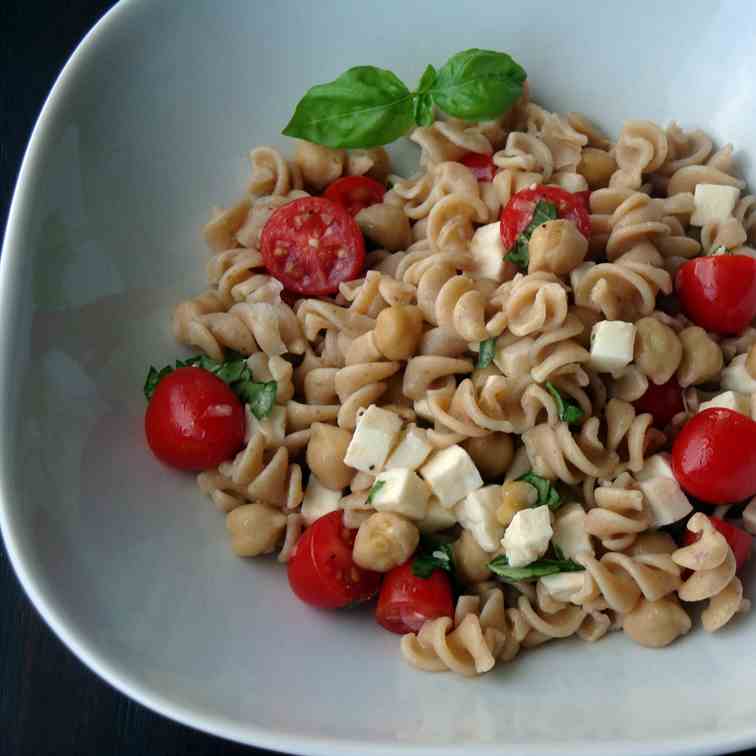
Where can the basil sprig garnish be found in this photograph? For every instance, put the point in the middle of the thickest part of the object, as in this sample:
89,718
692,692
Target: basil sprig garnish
544,211
547,494
368,106
540,568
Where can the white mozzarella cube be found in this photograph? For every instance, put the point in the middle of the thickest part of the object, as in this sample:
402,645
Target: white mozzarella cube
273,427
401,491
451,474
570,536
564,586
437,517
477,513
527,536
736,377
612,344
657,465
666,500
318,501
713,202
411,451
487,253
577,274
374,437
732,400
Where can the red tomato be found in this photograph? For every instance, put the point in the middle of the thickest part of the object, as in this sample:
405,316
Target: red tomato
518,213
194,420
482,166
355,193
321,570
311,245
714,456
585,198
406,601
663,401
740,541
718,293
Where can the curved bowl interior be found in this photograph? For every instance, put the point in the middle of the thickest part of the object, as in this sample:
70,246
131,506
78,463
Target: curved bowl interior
148,128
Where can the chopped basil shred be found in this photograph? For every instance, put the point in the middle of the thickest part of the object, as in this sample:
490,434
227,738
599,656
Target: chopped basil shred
433,554
569,411
540,568
547,494
544,211
377,486
486,353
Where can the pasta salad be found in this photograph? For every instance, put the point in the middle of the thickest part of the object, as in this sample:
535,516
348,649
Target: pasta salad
511,396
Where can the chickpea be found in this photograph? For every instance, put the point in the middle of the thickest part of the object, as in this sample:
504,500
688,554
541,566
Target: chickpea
386,225
658,351
398,330
702,358
492,454
325,456
384,541
255,529
374,162
516,495
320,165
751,361
556,247
470,559
597,167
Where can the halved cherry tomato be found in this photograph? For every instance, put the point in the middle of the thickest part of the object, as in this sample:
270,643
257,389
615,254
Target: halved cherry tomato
406,601
585,198
321,570
194,420
311,245
518,213
482,166
355,193
663,401
714,456
740,541
718,293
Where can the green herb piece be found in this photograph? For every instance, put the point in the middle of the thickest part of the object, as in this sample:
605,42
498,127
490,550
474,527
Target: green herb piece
558,553
569,411
544,211
365,107
427,80
486,353
478,84
438,556
261,397
547,494
538,569
154,376
720,249
423,110
377,486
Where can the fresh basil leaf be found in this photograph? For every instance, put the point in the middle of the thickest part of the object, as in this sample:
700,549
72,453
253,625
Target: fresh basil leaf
364,107
478,84
427,80
720,249
377,486
231,370
261,397
154,376
569,411
486,353
438,556
538,569
543,212
423,110
519,253
547,494
558,553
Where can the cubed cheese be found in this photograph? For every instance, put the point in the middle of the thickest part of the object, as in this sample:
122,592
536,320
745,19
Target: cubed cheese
515,358
713,202
451,474
273,427
487,253
477,513
666,500
411,451
736,377
577,274
564,586
657,465
612,344
374,437
401,491
733,400
318,501
570,536
437,517
527,536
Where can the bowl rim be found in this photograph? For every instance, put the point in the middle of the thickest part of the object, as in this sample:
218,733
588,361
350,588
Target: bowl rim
119,678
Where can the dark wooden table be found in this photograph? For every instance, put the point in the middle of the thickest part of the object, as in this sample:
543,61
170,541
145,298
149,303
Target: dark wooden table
49,702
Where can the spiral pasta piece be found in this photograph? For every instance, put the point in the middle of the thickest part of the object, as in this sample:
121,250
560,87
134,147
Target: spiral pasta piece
533,302
248,233
684,149
619,515
717,170
556,353
641,148
272,174
626,433
449,140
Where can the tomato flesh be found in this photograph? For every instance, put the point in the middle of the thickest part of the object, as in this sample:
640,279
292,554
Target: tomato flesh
740,542
407,601
312,245
518,212
194,421
714,457
663,402
718,293
322,572
482,166
355,193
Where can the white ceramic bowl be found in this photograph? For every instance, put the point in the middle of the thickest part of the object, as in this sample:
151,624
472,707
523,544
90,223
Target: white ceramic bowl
147,128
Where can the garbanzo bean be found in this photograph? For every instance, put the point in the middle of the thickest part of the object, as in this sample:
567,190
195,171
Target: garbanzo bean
492,454
319,165
597,167
386,225
255,528
470,560
384,541
556,247
325,456
398,330
658,351
516,495
702,357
